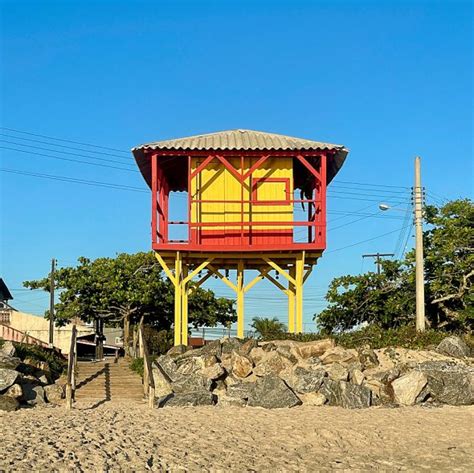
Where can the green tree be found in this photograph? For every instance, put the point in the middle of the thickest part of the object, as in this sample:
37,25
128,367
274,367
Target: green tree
126,289
387,300
267,327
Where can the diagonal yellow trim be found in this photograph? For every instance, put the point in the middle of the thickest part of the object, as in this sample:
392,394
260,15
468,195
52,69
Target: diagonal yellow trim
196,271
256,279
166,268
279,269
222,278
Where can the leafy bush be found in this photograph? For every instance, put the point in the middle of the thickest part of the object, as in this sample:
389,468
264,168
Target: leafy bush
56,362
137,366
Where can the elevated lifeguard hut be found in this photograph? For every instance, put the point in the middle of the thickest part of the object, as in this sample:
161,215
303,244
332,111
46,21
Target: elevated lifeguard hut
240,212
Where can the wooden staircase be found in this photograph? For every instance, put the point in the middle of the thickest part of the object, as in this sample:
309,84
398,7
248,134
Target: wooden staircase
106,381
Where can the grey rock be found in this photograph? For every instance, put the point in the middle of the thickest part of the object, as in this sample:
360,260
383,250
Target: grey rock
54,393
337,372
191,382
33,395
231,344
368,358
449,382
272,364
7,349
212,348
9,362
8,403
303,380
15,391
270,346
341,393
454,346
240,390
248,346
7,378
193,398
177,350
213,372
168,366
271,392
285,352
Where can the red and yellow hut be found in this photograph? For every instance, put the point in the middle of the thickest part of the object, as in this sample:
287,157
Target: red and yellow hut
242,190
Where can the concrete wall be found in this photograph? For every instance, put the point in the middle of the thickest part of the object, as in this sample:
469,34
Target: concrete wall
38,327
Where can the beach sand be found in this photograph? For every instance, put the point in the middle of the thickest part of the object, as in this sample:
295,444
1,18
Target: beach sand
114,437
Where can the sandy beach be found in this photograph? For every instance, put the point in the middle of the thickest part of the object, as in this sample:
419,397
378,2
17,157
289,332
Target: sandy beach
114,437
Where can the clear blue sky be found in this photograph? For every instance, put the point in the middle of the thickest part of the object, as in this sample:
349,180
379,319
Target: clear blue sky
389,80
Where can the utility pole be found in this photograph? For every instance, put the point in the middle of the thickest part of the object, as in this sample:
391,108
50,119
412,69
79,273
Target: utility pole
419,263
378,259
51,302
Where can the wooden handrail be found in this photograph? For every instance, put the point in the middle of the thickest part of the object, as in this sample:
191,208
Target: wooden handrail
148,381
71,369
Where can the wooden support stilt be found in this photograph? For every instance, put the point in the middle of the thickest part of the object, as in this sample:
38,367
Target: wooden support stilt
184,306
240,299
291,301
177,299
299,291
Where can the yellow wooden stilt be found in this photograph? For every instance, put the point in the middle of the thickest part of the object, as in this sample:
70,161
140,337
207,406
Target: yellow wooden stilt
240,299
184,307
291,301
177,299
299,291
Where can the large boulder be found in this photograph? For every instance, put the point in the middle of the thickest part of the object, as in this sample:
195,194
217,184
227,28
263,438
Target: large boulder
339,355
7,349
449,382
192,398
248,346
342,393
213,372
168,366
212,348
271,364
271,392
240,390
8,403
162,381
454,346
241,365
303,380
337,372
15,391
315,348
408,387
191,382
177,350
230,345
313,399
54,393
368,358
9,362
33,395
7,378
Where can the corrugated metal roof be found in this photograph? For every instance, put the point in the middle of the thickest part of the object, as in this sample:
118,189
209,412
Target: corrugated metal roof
239,140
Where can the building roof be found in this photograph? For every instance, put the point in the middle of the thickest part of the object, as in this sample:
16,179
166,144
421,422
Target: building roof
236,140
5,294
239,140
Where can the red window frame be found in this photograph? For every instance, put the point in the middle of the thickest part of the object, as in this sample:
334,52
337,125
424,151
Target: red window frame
258,180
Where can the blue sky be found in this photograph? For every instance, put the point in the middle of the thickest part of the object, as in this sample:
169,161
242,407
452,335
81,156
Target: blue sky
390,80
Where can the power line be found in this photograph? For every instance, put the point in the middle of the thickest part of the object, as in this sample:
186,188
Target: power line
71,159
76,181
64,140
364,241
371,185
63,146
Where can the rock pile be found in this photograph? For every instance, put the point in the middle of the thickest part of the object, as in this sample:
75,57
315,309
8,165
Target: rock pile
279,374
26,382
